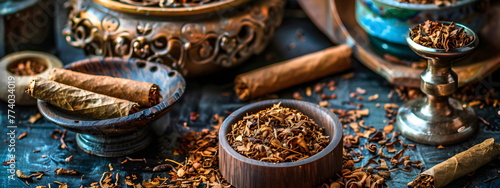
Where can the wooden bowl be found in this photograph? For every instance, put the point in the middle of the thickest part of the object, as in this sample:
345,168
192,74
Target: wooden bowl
241,171
118,136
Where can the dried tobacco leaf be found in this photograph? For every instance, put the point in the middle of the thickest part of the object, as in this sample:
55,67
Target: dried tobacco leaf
63,171
438,35
201,164
276,135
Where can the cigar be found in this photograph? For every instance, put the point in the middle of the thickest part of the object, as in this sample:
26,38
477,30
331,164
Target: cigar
458,165
85,103
145,93
302,69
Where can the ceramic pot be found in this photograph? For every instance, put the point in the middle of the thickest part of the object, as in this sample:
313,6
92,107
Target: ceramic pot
18,83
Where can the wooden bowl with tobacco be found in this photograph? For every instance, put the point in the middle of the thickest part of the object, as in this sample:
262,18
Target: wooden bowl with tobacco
280,143
108,101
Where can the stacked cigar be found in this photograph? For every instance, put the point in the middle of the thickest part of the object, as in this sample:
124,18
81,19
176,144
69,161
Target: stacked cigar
94,96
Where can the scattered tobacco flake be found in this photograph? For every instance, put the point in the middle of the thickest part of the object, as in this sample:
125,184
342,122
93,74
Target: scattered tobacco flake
422,180
61,139
483,120
348,76
61,185
474,103
296,95
34,118
201,164
63,171
300,35
69,159
54,133
318,88
21,175
22,135
328,97
193,116
373,97
38,174
388,128
324,104
8,162
440,147
185,125
360,91
163,167
440,36
308,91
134,160
36,151
490,179
26,67
277,134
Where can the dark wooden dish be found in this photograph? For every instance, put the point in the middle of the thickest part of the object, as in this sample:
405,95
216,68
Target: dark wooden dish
103,133
241,171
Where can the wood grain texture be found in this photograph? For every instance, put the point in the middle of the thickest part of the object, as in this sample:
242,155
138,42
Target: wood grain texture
170,81
243,172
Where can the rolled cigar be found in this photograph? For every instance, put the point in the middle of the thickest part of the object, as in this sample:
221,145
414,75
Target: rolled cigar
80,101
302,69
145,93
458,165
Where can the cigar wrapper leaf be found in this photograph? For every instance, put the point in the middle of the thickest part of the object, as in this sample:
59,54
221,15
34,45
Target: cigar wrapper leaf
462,163
145,93
302,69
85,103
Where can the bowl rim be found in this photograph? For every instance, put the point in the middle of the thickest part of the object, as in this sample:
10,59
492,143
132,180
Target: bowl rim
162,11
49,60
113,123
467,48
334,142
413,6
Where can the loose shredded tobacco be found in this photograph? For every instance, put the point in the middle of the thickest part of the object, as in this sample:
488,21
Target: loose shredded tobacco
135,108
26,67
276,135
440,36
423,180
154,95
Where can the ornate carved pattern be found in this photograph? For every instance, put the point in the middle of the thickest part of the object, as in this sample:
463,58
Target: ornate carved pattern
189,44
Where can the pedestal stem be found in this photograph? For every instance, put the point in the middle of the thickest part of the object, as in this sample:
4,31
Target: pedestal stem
439,81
